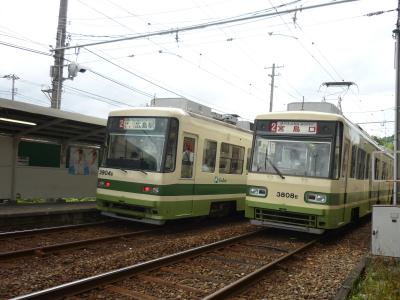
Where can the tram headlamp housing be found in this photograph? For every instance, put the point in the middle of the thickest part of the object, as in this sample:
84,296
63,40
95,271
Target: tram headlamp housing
258,191
103,184
316,198
151,189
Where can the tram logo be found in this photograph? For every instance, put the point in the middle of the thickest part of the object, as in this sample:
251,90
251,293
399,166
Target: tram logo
219,179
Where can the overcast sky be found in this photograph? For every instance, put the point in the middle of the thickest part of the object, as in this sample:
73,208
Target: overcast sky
225,67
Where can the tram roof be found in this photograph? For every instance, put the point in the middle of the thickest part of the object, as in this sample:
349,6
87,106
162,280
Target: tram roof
146,111
156,111
301,115
313,115
24,120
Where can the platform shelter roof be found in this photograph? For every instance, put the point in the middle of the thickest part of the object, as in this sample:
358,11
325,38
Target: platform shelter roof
24,120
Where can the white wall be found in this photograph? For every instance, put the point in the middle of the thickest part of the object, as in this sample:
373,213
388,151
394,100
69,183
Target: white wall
5,167
53,182
41,181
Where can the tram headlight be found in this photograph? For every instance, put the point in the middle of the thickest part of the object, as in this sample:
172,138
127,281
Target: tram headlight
316,198
103,184
258,191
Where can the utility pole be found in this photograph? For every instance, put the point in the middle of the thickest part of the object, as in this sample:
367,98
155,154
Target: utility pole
56,71
396,34
13,77
272,75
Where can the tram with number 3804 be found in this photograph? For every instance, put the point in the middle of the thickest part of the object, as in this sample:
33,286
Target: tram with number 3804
311,171
164,163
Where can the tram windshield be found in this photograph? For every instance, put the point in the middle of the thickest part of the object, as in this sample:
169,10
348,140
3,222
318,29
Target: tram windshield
292,157
139,143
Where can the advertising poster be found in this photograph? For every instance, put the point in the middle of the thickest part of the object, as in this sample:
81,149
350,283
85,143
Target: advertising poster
83,161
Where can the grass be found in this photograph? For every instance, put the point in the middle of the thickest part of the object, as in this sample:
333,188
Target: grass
58,200
380,280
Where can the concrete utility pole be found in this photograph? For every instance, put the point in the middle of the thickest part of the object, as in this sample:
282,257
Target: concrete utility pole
396,34
57,70
272,75
13,77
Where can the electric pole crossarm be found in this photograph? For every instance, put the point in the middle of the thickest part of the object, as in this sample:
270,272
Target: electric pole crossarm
13,77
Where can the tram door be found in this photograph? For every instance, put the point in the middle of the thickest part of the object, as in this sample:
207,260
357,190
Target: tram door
188,165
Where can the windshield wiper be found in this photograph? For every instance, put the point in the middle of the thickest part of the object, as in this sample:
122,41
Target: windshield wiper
140,170
273,166
122,170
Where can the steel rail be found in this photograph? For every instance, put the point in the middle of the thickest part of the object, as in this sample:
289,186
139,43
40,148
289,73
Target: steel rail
89,283
63,246
251,278
49,229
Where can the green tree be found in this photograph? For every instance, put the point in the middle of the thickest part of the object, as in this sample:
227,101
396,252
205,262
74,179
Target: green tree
386,141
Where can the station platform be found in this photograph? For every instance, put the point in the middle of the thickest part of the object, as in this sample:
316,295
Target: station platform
26,216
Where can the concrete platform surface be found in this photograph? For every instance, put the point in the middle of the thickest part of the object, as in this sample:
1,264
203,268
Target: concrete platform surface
44,208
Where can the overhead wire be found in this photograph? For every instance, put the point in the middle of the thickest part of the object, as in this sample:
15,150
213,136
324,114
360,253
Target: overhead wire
169,90
188,61
181,95
302,45
246,17
121,84
25,48
22,37
98,97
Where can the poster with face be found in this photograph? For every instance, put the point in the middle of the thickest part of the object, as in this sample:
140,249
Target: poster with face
83,161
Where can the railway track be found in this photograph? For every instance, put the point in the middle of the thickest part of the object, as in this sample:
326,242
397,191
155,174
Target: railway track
41,241
68,245
19,233
212,271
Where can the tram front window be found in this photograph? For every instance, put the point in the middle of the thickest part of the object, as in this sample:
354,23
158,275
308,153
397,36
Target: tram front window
136,143
299,158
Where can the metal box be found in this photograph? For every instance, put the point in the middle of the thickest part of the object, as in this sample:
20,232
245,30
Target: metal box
314,106
386,230
184,104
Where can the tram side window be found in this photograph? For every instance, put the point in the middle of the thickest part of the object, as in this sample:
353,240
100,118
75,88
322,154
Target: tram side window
170,155
231,159
361,163
353,168
384,170
209,156
377,169
248,159
368,166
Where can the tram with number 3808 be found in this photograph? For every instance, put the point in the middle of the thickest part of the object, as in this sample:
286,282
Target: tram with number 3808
165,163
311,171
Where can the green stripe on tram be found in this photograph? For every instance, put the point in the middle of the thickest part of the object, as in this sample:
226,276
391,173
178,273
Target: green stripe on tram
177,189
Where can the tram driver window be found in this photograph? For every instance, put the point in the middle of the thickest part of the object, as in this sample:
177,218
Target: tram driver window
209,156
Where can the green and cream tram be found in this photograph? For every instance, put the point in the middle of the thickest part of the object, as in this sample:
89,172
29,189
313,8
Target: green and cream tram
164,163
311,171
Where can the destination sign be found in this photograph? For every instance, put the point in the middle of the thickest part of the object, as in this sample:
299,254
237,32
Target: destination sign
137,124
293,127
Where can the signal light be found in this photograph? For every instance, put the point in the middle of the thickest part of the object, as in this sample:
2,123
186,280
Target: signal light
147,189
107,184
